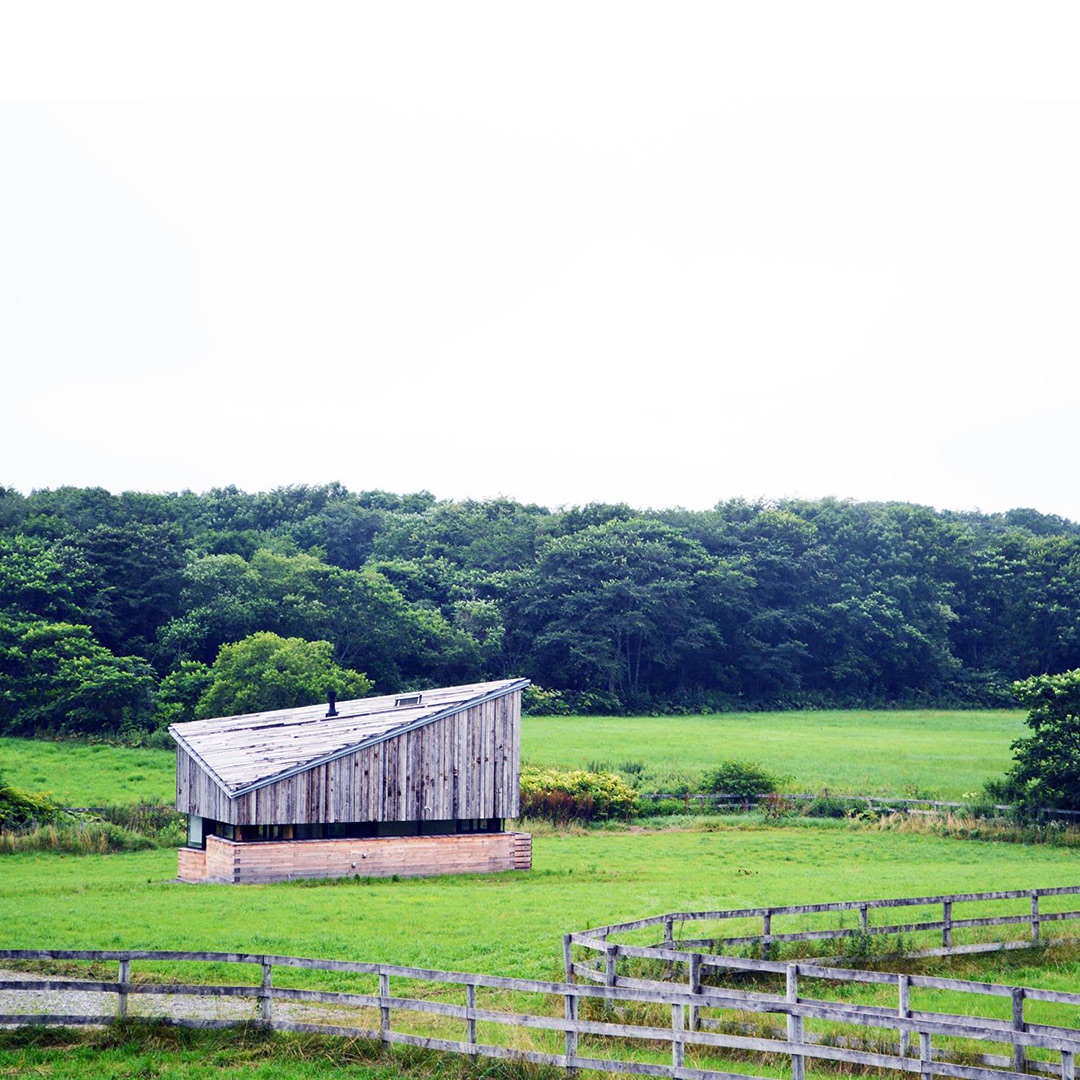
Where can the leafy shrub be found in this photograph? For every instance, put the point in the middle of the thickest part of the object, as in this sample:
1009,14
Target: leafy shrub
536,701
827,806
597,703
985,803
563,796
744,779
20,809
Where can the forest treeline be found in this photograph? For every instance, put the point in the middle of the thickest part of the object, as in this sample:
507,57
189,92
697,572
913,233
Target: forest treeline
114,608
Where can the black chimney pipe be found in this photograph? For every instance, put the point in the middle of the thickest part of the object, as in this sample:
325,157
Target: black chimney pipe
332,695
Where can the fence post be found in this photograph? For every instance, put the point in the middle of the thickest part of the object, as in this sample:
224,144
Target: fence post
669,942
1034,917
695,988
571,1034
678,1024
470,1017
265,1013
123,978
766,934
384,1007
611,959
926,1056
904,1011
1068,1065
795,1024
946,921
864,917
1019,1054
568,956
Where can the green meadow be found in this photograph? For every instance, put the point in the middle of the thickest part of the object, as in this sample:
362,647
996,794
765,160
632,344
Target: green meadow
512,924
508,924
933,753
89,774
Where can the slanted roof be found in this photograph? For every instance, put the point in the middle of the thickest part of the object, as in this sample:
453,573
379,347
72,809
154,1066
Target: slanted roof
241,753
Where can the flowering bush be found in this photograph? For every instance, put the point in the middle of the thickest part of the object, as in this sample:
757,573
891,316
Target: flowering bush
575,795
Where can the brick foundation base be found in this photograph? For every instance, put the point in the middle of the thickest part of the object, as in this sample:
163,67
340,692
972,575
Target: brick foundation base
228,862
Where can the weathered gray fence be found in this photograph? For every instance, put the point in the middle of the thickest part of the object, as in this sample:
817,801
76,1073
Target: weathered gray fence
686,1031
604,945
701,802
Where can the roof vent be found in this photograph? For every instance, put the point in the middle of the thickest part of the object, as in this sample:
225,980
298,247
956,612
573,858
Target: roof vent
332,698
407,699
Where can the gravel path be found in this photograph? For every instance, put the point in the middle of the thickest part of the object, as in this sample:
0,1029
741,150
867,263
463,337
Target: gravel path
67,1002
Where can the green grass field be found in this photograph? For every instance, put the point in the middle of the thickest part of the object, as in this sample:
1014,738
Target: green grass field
938,753
501,924
508,924
512,924
934,753
85,774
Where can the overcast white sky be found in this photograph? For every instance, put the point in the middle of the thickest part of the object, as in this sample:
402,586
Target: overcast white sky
666,253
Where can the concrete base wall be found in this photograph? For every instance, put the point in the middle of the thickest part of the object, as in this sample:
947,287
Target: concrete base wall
229,862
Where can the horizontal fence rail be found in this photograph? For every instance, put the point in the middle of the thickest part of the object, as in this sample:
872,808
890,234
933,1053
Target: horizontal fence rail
604,946
686,1031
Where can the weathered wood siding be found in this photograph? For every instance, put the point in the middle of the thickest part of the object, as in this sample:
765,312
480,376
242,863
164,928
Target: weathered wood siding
227,862
459,767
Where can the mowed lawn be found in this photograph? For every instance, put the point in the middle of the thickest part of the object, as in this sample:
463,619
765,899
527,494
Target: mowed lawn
932,753
935,753
507,924
86,774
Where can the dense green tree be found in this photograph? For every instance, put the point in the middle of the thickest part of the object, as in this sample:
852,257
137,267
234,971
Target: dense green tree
497,534
752,602
137,573
44,578
227,598
12,507
786,571
343,532
55,677
66,511
1046,772
179,692
265,671
627,607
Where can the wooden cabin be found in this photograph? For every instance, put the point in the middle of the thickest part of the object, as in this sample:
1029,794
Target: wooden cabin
411,784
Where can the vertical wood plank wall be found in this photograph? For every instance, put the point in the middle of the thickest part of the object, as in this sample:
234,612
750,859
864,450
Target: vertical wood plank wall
460,767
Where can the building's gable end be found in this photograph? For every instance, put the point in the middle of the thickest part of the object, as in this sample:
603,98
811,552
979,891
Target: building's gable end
428,719
462,765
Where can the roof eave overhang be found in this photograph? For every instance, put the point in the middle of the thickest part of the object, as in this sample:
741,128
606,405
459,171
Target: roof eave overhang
188,749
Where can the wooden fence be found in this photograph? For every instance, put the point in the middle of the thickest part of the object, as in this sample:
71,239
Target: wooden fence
686,1031
605,948
701,802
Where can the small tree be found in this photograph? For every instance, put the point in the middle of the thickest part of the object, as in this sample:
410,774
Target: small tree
265,671
1046,771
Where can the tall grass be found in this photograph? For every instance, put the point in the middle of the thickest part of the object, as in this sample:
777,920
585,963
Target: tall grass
107,830
961,826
